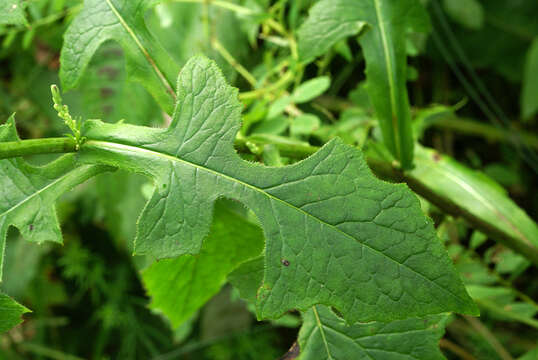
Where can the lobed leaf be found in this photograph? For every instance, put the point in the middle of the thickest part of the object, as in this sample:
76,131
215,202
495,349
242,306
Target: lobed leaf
121,21
10,313
325,336
179,287
384,48
28,193
335,234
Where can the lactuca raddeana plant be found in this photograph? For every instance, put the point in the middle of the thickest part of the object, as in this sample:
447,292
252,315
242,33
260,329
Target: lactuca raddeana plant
335,234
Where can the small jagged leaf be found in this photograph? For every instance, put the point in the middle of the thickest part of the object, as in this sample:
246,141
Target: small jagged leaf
28,193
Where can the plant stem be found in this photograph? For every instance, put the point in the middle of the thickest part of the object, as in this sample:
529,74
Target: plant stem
487,131
284,80
455,349
489,337
11,149
223,4
233,62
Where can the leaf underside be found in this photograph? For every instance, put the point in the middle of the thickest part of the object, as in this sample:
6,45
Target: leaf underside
335,234
28,193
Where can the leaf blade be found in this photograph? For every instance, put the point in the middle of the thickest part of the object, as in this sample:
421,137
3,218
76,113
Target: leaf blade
28,193
325,336
231,241
10,313
316,231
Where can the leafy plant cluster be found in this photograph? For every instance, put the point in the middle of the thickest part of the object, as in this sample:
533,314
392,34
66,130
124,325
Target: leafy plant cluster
324,194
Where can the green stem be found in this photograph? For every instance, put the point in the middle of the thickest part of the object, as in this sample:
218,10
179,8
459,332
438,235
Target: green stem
12,149
287,149
471,127
223,4
233,62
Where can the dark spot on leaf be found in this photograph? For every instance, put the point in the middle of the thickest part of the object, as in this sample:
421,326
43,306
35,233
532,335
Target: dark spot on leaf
106,92
285,262
110,72
31,227
107,109
436,157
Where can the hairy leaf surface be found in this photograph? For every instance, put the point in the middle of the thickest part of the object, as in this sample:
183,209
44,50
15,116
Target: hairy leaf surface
179,287
334,233
10,313
384,47
28,193
325,336
121,21
12,12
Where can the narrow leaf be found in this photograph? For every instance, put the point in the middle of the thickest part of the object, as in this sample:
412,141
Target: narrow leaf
335,234
325,336
478,197
122,21
179,287
10,313
28,193
384,47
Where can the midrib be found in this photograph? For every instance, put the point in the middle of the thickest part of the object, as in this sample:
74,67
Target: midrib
112,146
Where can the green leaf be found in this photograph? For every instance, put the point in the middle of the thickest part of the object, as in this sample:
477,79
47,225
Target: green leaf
122,21
278,106
468,13
478,197
28,193
325,336
12,13
247,278
311,89
179,287
304,124
530,355
335,234
384,47
10,313
529,95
